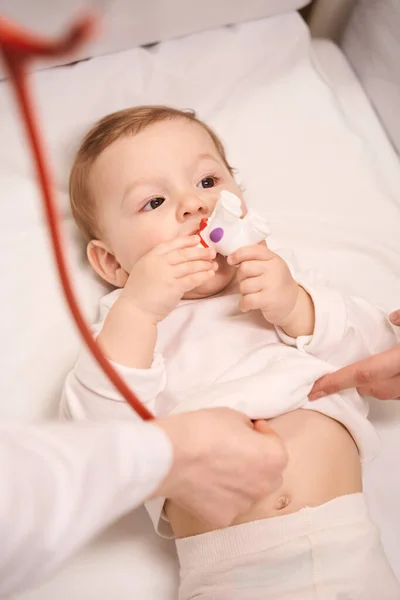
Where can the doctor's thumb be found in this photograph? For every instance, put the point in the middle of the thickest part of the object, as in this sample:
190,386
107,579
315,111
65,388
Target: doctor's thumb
262,426
395,317
276,448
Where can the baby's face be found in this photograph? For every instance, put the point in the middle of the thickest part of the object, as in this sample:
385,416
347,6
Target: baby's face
157,185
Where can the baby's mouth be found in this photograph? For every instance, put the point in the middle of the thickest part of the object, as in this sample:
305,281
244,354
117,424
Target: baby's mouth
200,227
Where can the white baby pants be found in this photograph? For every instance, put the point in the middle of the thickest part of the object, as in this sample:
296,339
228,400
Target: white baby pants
330,552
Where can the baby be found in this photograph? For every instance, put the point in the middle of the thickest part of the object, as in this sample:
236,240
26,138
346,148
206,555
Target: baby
188,329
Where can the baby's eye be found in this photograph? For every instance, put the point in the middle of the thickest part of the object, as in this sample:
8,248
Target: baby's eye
153,204
208,182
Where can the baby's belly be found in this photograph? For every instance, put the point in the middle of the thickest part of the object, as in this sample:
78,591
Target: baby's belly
323,464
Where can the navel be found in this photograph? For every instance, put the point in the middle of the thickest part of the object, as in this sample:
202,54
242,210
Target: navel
283,502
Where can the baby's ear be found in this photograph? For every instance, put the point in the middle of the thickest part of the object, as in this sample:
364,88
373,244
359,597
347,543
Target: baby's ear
105,264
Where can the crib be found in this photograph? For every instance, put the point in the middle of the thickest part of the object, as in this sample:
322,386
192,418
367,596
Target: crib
314,149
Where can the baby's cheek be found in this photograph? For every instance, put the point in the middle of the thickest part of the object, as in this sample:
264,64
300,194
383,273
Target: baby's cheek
146,240
158,236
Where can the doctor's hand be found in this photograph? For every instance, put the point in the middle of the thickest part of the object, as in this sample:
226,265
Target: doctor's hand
377,376
223,463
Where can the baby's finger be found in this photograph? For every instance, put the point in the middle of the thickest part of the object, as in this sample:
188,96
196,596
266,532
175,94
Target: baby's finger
252,285
194,266
251,268
251,302
196,279
183,255
177,243
256,252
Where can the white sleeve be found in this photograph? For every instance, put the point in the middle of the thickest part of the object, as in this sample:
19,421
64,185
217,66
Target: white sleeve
347,329
60,484
88,393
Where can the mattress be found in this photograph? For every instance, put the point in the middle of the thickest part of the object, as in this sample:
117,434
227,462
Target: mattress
327,180
381,486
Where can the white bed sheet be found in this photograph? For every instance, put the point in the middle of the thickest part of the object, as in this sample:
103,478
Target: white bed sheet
308,164
381,483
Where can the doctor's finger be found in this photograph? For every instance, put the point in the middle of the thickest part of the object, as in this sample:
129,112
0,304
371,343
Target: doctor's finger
395,317
389,389
364,373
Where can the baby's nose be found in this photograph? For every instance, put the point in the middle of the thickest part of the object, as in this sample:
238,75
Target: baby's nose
192,205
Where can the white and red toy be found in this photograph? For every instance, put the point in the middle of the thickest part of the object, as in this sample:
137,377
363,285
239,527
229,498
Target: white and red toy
226,231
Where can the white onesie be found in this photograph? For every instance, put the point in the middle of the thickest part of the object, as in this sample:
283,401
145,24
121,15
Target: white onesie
209,353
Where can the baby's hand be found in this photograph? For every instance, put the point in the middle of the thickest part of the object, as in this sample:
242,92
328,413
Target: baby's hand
161,277
265,282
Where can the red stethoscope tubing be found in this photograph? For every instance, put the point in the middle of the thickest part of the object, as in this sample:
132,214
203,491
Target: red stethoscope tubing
18,47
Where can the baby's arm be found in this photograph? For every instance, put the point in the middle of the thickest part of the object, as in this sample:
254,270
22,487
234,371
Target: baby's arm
301,320
312,317
88,394
267,284
128,340
347,329
308,315
128,336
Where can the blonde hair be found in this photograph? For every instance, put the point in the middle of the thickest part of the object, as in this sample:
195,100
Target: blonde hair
105,132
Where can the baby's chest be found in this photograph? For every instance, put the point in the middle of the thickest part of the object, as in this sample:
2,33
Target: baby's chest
205,341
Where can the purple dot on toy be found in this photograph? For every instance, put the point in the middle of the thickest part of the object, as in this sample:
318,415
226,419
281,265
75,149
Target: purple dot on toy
216,234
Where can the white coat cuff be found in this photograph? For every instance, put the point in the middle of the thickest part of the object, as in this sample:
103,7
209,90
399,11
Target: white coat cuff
155,459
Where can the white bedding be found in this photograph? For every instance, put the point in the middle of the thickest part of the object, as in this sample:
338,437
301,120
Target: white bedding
327,180
381,484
